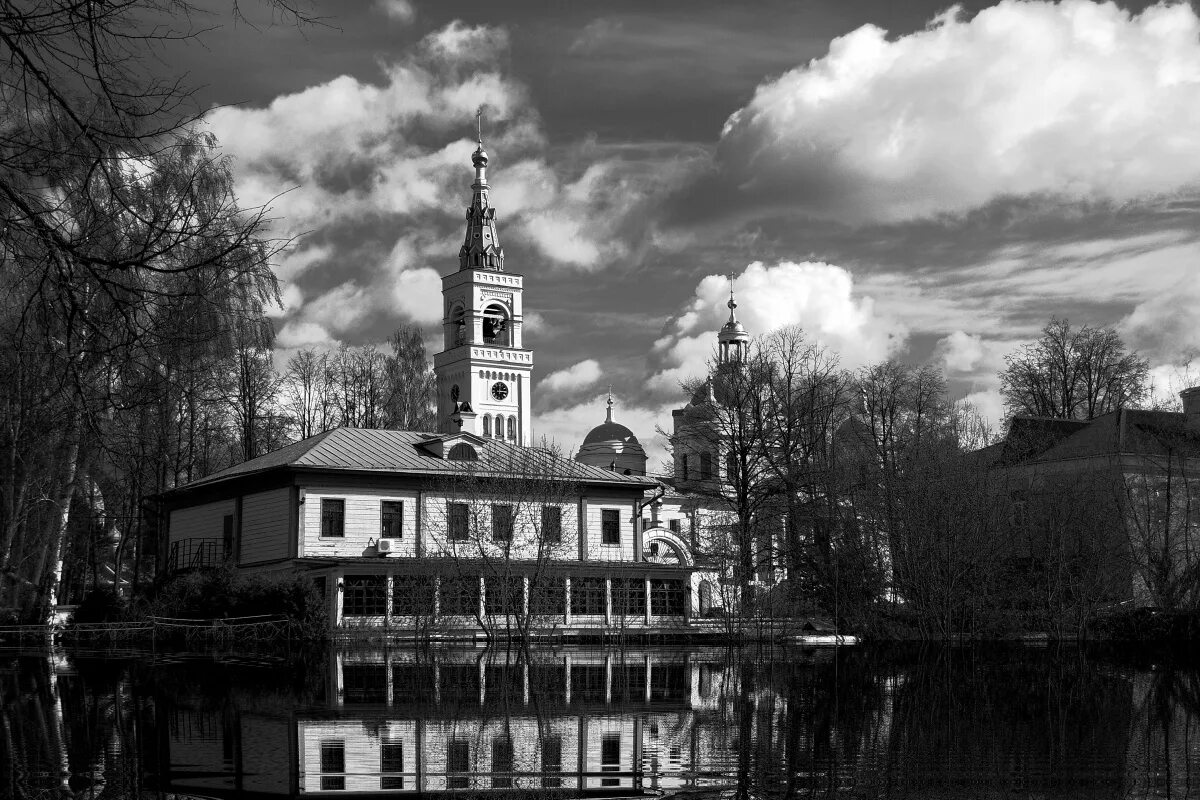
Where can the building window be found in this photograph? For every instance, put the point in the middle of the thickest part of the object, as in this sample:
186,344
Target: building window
548,597
391,760
333,760
459,596
610,757
463,452
365,596
391,519
551,761
705,466
610,526
552,524
629,597
412,595
364,683
499,426
457,528
731,466
333,517
666,598
458,759
673,525
683,467
487,425
512,428
587,596
502,762
505,596
502,523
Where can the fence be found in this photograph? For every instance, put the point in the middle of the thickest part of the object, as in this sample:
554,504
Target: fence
261,627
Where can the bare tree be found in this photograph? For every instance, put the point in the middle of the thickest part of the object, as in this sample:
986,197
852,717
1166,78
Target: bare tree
1073,373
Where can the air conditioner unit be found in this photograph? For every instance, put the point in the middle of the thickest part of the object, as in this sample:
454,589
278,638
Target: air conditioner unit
385,546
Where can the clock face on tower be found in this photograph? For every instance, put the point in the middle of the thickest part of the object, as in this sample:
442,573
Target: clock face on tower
499,391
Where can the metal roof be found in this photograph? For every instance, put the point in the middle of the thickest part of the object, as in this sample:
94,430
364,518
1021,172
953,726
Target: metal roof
402,452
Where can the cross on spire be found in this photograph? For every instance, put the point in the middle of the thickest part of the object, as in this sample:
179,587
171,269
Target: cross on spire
732,304
609,404
479,125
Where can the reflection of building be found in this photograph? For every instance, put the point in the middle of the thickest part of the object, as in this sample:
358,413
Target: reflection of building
572,722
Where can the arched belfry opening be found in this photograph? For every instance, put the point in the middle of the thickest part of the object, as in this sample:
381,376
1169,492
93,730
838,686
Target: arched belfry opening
497,327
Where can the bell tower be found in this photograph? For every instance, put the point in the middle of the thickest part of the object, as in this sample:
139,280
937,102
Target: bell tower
483,372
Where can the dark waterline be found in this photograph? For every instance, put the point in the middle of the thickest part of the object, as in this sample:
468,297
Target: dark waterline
862,723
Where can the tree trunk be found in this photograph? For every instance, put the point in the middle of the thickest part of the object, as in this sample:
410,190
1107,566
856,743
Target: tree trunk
52,552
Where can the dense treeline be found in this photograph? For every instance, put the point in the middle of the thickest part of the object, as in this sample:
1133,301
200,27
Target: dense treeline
133,339
884,504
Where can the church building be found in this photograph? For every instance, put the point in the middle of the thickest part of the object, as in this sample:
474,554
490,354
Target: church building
468,528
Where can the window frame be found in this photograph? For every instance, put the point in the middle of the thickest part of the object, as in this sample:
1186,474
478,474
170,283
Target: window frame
503,528
458,522
361,592
327,518
610,527
589,596
552,524
384,533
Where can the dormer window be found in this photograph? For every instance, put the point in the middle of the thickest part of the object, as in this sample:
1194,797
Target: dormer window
462,452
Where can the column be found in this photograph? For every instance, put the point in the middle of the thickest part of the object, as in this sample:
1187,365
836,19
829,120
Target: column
648,609
387,602
608,605
567,600
339,588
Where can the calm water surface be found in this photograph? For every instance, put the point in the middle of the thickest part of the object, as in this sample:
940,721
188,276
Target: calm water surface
860,723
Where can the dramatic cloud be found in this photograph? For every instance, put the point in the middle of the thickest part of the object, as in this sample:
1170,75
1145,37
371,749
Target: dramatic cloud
1072,100
1166,326
573,378
374,176
816,296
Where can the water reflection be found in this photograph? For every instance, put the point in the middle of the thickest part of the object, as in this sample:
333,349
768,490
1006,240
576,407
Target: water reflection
861,723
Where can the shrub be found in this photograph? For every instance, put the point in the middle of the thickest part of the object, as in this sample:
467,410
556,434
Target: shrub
222,594
99,605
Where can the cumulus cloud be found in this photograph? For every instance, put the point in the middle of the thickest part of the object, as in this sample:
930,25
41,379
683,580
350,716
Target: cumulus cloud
818,297
401,10
1165,327
578,376
302,334
1073,100
373,176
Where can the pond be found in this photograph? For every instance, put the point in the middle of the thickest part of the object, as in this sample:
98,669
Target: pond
860,722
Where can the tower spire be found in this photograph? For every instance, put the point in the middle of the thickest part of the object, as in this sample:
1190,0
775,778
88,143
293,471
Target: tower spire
609,404
733,339
481,247
732,303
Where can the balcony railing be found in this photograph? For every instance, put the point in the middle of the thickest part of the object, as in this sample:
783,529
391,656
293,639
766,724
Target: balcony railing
197,554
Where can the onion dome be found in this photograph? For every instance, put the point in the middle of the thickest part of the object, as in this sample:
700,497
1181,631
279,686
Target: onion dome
611,445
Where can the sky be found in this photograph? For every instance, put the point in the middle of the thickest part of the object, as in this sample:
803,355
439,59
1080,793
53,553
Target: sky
903,180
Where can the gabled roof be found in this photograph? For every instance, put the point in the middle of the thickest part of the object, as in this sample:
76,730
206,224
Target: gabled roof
362,450
1125,432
